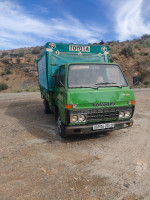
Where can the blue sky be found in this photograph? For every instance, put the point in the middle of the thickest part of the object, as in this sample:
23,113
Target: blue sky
25,23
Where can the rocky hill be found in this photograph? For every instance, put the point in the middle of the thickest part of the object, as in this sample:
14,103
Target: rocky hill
18,71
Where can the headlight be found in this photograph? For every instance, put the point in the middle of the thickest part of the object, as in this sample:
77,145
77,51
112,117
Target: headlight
77,118
81,118
124,114
73,118
127,114
121,115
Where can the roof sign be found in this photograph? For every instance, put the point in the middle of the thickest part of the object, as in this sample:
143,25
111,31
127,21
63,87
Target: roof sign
79,48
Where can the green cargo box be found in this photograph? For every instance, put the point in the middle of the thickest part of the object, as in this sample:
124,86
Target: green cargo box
56,54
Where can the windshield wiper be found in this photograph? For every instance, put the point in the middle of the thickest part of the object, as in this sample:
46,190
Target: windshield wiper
82,87
108,83
105,83
94,87
101,84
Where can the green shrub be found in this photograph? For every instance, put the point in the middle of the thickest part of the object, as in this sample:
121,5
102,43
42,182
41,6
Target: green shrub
146,83
21,54
28,60
32,90
18,60
102,42
111,60
142,76
136,46
15,54
145,36
127,52
35,51
4,54
5,61
3,73
144,54
19,90
3,86
26,70
7,71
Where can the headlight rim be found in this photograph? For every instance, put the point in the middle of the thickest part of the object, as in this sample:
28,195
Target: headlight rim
80,116
120,114
128,115
72,120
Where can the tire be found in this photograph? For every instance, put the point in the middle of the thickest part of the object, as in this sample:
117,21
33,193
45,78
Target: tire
61,127
46,107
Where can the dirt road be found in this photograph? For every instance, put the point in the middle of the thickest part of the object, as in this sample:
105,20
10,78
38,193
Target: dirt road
35,163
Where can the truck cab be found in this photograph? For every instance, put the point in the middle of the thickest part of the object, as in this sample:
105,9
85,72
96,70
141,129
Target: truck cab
92,97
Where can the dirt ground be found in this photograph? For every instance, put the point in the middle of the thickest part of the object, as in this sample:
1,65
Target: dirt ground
35,163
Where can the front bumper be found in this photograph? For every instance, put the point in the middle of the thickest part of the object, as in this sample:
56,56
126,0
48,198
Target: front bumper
85,129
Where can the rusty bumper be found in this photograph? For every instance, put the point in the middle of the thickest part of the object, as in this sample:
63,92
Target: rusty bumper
85,129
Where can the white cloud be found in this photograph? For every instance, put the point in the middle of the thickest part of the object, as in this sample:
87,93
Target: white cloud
129,19
17,27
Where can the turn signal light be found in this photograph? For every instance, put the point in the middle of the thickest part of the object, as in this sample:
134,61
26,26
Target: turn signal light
70,106
132,102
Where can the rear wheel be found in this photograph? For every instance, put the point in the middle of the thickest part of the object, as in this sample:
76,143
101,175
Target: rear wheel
46,107
61,127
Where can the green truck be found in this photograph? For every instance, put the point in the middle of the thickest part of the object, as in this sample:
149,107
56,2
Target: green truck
86,93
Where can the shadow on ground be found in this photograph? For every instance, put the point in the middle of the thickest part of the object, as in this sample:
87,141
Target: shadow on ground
32,118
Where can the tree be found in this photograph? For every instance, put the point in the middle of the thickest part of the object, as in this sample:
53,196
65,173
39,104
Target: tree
102,42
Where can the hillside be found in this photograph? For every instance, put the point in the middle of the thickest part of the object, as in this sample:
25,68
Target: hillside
18,66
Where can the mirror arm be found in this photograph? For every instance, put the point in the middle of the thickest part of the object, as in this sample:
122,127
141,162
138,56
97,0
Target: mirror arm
62,84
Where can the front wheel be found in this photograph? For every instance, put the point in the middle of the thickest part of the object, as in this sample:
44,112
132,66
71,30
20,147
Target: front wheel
61,127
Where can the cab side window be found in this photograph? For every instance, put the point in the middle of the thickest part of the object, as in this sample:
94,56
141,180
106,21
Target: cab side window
62,73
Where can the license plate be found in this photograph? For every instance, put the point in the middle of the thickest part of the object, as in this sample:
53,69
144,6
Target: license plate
103,126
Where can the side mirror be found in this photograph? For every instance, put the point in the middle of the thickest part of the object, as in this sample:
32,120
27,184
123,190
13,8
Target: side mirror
135,80
59,80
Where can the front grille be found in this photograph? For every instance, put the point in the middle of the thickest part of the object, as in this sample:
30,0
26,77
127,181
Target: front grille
102,114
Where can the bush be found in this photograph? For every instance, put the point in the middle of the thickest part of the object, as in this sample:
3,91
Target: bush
4,54
101,42
18,60
15,54
144,53
7,71
26,70
145,36
21,54
3,86
28,60
146,83
5,61
35,51
136,46
111,60
3,73
142,76
127,52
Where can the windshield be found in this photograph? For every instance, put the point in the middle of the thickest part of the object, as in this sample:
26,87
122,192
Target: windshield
97,75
